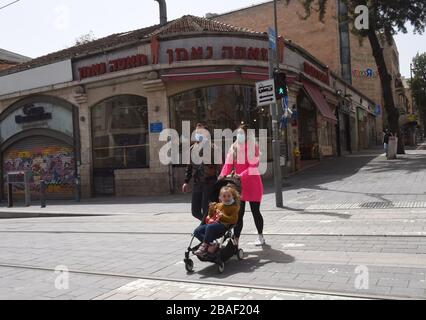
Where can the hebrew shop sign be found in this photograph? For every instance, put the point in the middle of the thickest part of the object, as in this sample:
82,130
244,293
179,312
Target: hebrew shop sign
174,51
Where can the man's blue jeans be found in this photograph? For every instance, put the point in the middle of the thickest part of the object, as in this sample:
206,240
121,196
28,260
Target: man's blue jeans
210,232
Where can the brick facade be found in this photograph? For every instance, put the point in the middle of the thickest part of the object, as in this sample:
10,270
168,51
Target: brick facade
320,39
323,41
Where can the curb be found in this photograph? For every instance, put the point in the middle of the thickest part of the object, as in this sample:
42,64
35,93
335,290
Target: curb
27,215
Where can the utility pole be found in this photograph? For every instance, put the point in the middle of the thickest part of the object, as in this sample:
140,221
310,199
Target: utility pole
274,63
414,104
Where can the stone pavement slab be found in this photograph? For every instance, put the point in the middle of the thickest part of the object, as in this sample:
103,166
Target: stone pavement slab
280,265
40,285
327,249
363,178
153,290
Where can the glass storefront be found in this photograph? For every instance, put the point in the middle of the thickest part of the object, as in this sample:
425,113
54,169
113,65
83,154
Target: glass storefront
308,130
327,138
221,107
120,133
120,138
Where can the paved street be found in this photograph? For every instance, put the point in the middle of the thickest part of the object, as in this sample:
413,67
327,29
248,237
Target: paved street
353,227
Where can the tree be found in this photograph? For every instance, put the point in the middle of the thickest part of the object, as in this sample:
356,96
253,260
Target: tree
418,85
85,38
385,19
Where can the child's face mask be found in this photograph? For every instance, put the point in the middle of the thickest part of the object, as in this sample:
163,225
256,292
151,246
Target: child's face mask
229,202
228,199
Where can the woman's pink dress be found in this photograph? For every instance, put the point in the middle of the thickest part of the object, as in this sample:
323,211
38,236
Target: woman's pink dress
251,181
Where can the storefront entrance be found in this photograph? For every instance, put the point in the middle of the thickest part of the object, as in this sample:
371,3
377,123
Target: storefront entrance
120,139
220,107
49,160
308,133
345,133
37,136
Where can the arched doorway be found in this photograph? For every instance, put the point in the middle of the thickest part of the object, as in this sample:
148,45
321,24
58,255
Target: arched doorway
120,138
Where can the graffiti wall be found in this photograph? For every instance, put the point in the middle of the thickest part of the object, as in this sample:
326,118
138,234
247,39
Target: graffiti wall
53,164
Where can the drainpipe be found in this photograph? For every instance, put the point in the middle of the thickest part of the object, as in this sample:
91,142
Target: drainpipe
163,11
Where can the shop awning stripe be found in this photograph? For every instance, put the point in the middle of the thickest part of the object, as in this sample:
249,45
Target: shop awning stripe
317,97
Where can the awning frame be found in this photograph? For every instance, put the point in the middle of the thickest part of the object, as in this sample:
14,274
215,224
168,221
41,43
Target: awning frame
314,94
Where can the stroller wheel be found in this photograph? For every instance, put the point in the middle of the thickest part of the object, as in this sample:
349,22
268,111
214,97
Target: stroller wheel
240,254
221,267
189,265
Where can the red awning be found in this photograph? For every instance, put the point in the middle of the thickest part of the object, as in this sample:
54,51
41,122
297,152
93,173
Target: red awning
317,97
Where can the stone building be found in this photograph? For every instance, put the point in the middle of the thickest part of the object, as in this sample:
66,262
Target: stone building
331,42
88,119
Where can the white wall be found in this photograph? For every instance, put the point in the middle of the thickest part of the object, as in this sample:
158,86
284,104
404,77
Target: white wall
51,74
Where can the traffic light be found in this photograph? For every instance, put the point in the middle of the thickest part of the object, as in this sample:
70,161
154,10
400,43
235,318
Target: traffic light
280,80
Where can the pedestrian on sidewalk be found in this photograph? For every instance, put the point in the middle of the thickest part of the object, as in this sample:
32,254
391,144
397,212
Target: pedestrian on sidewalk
387,135
204,175
244,162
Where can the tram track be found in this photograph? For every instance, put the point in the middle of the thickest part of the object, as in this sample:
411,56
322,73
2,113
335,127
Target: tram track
161,233
337,294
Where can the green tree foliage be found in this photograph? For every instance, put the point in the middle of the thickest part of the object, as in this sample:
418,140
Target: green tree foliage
386,18
418,84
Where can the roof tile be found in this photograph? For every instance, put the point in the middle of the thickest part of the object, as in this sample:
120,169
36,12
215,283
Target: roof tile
186,24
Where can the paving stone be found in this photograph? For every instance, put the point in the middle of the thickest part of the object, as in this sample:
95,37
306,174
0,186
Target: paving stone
126,242
408,292
393,283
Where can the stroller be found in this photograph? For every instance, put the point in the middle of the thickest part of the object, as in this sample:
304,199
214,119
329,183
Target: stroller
227,245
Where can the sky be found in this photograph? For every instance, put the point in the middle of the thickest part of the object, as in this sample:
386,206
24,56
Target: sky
37,27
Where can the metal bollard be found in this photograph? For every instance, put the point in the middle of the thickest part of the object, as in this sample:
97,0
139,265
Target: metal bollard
43,193
9,195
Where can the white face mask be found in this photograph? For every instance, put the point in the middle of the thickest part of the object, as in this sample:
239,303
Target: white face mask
230,202
241,138
199,137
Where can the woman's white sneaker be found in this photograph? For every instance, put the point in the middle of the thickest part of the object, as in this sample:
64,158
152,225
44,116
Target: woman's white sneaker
260,242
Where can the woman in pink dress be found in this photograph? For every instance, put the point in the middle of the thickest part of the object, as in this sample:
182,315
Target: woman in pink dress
243,158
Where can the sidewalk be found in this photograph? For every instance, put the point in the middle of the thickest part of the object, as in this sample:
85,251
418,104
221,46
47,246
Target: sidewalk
363,180
308,249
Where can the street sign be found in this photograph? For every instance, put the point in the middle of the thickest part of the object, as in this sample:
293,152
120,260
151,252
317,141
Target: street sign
272,39
265,93
156,127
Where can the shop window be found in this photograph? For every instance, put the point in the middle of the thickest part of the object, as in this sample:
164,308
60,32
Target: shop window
308,129
327,138
221,107
120,133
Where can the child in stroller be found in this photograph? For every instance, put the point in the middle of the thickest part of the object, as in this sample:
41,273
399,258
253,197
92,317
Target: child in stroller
221,216
219,223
